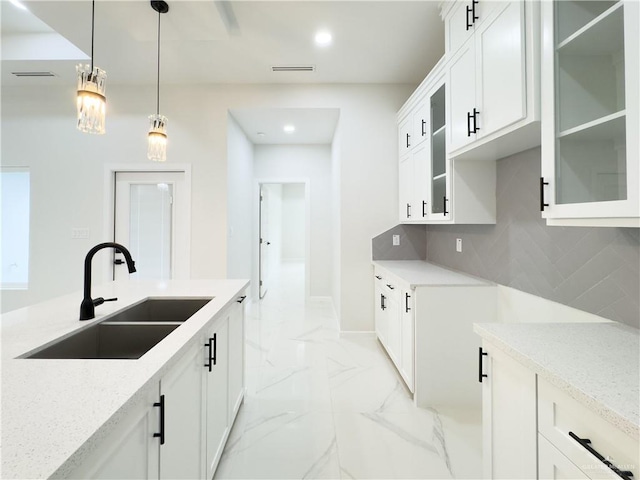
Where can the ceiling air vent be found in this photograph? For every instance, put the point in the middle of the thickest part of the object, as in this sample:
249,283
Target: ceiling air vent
33,74
294,68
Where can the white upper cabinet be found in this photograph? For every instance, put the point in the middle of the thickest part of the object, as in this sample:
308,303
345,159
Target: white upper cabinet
591,104
493,77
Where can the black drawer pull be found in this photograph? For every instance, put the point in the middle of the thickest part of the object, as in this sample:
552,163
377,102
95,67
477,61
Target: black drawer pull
406,302
480,374
390,286
161,434
586,443
241,299
542,204
378,277
424,205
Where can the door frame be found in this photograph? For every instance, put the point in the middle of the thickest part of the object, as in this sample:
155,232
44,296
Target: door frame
109,201
255,274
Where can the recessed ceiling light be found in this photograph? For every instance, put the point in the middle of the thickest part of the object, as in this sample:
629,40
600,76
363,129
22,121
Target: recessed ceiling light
323,38
17,4
261,134
289,129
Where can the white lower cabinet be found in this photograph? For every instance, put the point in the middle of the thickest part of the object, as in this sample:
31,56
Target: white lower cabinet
180,409
177,428
129,451
531,429
217,400
508,416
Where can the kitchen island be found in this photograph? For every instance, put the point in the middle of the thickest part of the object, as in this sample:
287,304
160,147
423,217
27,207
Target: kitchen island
56,413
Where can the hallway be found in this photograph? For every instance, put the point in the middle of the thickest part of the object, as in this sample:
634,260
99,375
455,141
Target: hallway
321,405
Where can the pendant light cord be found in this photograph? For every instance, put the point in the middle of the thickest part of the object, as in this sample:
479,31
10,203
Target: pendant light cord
93,15
158,84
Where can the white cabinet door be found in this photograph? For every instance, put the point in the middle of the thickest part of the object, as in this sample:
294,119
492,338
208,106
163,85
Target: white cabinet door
408,338
182,389
508,417
130,451
553,465
236,358
216,380
501,87
421,184
591,113
405,188
462,96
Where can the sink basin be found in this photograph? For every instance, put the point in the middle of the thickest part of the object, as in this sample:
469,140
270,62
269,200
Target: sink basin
159,310
107,341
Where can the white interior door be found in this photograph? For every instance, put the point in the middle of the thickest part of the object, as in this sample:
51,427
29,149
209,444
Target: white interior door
264,242
151,220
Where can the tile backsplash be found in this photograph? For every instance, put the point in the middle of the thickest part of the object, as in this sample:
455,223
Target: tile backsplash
593,269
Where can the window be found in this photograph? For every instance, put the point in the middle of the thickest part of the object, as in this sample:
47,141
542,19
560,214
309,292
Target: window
14,228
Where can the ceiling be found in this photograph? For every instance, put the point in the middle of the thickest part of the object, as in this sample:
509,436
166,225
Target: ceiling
228,42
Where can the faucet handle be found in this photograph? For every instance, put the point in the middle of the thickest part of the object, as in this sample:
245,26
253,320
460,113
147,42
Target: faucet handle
100,300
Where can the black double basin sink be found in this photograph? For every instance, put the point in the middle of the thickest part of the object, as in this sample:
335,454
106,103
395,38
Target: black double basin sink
127,334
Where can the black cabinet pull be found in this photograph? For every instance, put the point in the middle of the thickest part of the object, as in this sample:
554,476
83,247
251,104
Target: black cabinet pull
209,356
469,132
382,305
408,210
476,113
586,444
474,17
391,287
424,124
215,348
542,184
161,434
469,23
480,374
241,299
406,302
424,205
378,277
408,137
444,206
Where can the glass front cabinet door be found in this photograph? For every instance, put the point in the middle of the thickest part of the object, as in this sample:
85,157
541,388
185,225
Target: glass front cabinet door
590,112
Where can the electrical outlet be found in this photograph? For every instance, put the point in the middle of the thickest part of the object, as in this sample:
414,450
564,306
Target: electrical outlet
459,245
396,240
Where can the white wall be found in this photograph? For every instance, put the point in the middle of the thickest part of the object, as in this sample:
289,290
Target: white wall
311,164
293,222
335,221
240,202
38,130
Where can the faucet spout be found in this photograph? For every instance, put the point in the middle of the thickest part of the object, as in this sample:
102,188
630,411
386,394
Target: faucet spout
87,307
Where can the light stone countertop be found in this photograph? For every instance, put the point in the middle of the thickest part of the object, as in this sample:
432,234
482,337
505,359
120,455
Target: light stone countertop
419,273
597,364
55,411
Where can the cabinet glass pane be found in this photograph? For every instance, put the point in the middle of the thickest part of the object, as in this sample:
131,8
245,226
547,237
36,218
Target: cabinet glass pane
590,102
591,164
438,193
573,15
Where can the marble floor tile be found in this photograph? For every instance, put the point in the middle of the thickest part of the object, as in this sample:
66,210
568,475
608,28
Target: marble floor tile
320,404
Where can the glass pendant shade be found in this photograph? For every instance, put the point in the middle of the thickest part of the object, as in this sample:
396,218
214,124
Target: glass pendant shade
91,101
157,149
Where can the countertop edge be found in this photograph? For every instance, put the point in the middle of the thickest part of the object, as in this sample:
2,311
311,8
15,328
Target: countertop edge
478,281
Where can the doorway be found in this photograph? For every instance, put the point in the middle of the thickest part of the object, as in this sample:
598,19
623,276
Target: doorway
150,215
282,235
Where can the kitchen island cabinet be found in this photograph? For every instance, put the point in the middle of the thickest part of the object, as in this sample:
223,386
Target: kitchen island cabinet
101,418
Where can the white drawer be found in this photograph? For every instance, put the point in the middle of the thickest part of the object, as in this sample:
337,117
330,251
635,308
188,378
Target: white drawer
389,284
560,417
